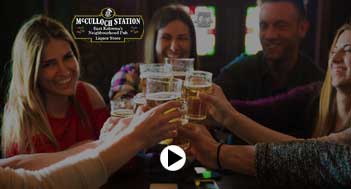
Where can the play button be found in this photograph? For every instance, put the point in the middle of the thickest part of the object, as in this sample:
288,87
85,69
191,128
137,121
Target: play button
173,158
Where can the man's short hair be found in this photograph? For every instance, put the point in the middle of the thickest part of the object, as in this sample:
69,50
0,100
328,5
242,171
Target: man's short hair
298,4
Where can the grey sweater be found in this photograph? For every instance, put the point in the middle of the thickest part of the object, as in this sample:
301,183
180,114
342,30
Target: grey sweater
304,164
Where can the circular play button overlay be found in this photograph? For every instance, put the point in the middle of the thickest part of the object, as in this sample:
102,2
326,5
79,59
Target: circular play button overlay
173,158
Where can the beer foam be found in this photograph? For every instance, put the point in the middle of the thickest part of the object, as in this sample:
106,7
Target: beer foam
163,96
175,73
155,75
140,100
207,84
122,113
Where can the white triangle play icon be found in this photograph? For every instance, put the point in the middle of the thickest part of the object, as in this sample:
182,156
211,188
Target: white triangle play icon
173,158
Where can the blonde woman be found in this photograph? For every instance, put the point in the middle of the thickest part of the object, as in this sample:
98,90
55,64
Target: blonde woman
48,109
324,162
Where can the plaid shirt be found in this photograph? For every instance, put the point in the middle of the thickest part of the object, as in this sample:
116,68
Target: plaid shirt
125,82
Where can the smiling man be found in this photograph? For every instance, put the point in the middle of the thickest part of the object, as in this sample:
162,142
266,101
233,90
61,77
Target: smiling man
280,66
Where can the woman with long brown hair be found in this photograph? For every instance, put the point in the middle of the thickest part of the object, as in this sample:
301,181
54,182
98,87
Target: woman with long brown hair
170,34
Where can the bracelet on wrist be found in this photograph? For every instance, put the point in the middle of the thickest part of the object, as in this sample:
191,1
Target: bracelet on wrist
218,152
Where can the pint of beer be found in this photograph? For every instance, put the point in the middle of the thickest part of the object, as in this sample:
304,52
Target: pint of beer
196,82
159,92
154,71
139,100
122,107
180,66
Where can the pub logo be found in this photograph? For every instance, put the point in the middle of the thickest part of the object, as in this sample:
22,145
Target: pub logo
108,27
108,13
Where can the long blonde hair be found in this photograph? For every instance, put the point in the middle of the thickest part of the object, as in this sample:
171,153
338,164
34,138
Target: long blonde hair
327,105
25,114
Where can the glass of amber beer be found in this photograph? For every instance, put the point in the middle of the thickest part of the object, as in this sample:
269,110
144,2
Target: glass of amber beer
196,82
180,66
122,107
139,100
152,70
155,71
159,92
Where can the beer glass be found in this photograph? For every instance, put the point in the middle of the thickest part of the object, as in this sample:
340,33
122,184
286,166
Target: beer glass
139,100
180,66
155,71
122,107
159,92
196,82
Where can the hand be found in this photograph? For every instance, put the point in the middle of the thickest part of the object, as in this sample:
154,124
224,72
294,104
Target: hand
218,105
203,146
113,126
153,125
109,124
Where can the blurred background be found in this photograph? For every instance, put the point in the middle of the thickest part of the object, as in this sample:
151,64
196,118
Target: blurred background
228,30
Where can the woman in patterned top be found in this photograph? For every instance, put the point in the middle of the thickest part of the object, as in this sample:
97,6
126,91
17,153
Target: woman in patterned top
171,33
321,162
